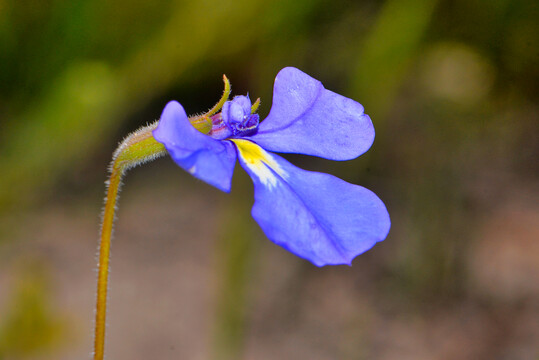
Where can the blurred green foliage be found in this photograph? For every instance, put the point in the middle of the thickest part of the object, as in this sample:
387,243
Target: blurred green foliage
451,87
31,325
237,254
388,51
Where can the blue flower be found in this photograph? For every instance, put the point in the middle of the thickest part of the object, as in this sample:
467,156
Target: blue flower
316,216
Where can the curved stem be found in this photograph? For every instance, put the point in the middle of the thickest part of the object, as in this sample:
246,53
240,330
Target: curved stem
137,148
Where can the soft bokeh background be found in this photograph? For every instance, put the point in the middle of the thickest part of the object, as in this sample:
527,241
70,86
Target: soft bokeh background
452,89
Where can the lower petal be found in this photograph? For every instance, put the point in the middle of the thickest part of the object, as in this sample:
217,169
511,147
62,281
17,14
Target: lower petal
316,216
204,157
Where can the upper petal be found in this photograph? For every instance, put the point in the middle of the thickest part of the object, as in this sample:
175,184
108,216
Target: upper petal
316,216
204,157
305,118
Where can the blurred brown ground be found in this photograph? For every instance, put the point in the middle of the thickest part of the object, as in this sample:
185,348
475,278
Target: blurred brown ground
165,274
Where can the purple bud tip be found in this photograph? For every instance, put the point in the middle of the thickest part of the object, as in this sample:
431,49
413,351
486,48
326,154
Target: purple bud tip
236,115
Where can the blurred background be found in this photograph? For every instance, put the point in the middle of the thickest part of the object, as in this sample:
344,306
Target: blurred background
451,87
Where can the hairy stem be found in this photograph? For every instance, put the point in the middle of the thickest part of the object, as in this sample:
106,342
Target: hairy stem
104,255
137,148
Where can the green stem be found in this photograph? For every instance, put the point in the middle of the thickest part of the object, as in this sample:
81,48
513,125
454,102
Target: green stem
139,147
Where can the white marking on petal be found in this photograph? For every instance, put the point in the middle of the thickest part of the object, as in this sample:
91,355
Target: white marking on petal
260,162
192,169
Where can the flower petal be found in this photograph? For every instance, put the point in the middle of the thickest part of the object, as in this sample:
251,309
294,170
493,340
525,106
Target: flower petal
305,118
316,216
205,158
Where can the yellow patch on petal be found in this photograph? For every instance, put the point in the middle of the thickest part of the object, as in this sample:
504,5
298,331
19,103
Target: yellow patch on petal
259,161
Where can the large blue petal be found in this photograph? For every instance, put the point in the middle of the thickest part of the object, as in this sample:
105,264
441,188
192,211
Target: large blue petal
204,157
305,118
316,216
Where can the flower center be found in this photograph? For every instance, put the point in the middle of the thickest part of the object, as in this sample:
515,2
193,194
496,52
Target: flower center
235,119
